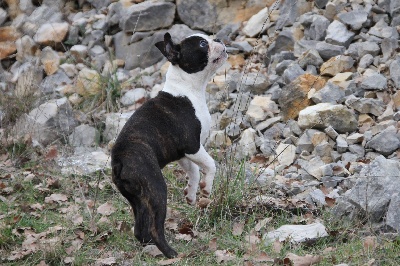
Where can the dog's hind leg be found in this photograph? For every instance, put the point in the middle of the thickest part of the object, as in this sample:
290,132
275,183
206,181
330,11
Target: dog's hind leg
147,193
192,171
206,162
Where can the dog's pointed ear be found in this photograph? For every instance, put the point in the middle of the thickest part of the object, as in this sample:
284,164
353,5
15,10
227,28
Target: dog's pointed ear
170,50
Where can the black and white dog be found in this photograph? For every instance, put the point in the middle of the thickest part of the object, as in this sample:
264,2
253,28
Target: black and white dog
172,126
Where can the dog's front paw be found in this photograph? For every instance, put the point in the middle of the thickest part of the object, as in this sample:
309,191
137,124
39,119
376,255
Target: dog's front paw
190,196
204,190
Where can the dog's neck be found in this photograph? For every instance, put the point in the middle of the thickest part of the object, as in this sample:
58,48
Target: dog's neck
180,83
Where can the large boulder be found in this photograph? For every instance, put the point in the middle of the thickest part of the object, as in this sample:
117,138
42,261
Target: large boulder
211,16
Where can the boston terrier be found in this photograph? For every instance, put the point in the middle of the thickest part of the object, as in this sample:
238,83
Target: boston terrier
172,126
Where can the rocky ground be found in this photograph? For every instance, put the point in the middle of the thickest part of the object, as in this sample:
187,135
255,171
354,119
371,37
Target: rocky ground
308,98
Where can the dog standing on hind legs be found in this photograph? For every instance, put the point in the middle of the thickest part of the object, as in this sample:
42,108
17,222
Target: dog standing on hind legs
172,126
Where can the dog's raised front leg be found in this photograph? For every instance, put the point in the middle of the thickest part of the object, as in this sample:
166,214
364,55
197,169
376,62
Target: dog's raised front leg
192,171
204,160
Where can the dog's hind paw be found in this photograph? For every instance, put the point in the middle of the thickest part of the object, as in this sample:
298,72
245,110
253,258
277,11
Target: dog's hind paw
190,198
203,190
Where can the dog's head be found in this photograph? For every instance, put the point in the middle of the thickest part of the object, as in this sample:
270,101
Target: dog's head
197,53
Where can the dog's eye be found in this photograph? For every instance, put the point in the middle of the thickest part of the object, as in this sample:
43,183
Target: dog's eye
203,43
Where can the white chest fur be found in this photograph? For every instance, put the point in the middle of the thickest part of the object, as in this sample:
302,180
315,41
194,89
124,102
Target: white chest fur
198,100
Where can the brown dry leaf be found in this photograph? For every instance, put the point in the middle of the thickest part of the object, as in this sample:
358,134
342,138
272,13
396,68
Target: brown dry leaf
123,227
237,228
56,198
77,219
252,237
224,256
370,242
306,260
171,224
168,262
328,250
330,202
106,209
261,224
51,153
261,257
186,228
36,206
106,261
152,250
186,237
42,263
277,246
212,245
69,260
53,183
204,202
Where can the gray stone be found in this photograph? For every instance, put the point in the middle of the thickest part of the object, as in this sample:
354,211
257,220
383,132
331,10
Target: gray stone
338,34
51,83
96,51
3,16
366,105
218,139
282,66
327,50
365,61
395,70
355,19
393,212
114,124
233,130
99,4
312,58
323,115
324,151
341,144
254,82
84,135
374,81
295,233
256,23
321,3
51,120
228,32
292,10
312,167
318,197
243,46
247,143
260,108
355,138
359,49
284,42
268,123
331,132
267,146
357,149
330,93
385,142
241,103
382,30
147,16
292,72
85,161
211,16
304,143
370,197
389,46
133,96
315,26
302,46
43,14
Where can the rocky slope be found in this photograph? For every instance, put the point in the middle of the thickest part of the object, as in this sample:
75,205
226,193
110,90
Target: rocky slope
311,88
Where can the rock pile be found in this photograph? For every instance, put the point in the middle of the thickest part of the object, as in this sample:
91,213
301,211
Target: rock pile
313,86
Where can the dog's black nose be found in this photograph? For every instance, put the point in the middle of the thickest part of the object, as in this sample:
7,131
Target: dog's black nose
217,40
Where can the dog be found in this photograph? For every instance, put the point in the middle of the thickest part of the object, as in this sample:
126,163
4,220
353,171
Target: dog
172,126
